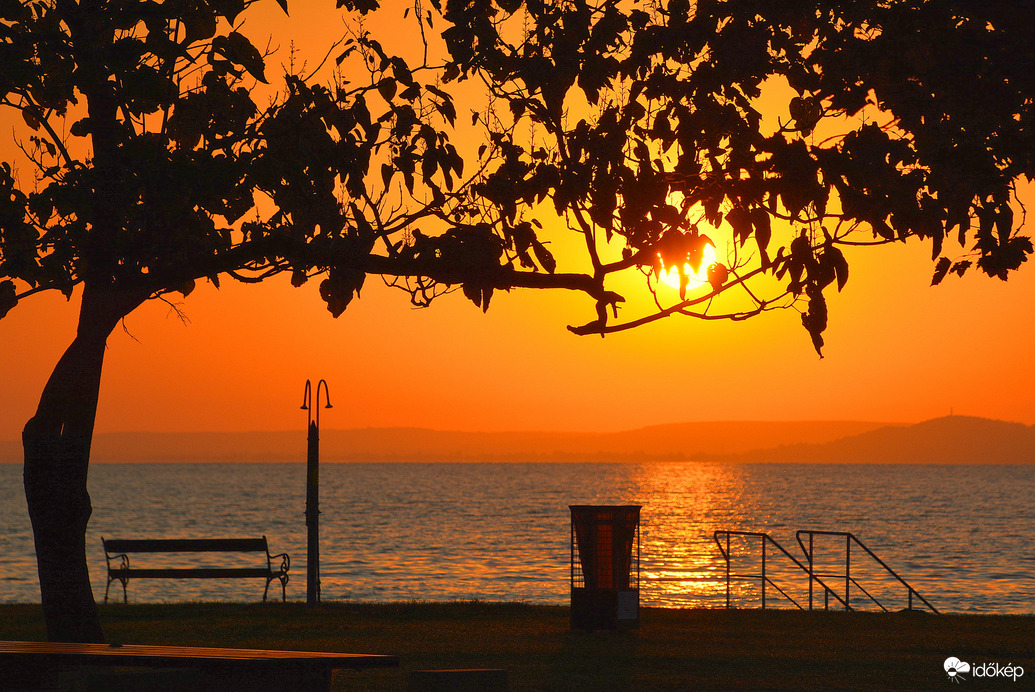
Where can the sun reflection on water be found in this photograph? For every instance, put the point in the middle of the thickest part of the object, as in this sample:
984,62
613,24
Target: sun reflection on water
684,504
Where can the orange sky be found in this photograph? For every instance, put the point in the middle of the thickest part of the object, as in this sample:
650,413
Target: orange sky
897,350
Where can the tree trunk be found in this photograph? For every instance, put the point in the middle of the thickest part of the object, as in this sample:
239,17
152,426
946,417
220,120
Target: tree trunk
57,455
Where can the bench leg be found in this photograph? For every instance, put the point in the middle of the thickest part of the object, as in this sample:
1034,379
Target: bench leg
283,587
108,586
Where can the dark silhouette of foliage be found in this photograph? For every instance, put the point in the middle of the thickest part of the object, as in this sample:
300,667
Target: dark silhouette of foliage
900,119
649,128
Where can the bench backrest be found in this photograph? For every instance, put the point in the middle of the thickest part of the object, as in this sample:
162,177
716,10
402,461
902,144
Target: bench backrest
185,545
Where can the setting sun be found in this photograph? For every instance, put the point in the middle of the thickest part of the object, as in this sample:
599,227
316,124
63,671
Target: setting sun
670,275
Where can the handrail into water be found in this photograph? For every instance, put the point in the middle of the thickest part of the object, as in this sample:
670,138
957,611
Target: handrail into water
765,579
849,580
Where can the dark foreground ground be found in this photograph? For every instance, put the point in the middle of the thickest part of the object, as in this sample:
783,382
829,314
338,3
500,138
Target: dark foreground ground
671,650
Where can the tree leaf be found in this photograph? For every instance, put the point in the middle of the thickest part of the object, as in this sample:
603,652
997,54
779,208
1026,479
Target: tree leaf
80,127
940,270
717,275
815,318
402,71
473,293
740,219
835,257
1003,223
447,109
8,297
199,25
240,51
386,87
229,9
763,227
338,288
30,119
544,256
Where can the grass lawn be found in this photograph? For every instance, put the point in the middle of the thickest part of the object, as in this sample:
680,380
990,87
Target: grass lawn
671,650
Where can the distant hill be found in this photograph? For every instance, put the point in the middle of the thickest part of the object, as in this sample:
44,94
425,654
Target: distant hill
675,441
948,440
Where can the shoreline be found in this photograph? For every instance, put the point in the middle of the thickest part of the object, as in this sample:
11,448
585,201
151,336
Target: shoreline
673,649
429,603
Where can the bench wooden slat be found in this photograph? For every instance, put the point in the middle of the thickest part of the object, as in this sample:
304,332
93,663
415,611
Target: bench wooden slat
187,572
144,654
185,545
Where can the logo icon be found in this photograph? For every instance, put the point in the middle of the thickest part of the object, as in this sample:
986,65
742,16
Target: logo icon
955,668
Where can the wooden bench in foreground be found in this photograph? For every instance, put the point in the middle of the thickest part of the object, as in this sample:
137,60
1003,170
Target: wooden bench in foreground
119,549
43,665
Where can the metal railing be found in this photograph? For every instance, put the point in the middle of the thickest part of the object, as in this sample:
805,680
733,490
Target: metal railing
849,580
763,576
814,577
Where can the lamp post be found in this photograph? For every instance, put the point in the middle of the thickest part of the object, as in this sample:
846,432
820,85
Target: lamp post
312,490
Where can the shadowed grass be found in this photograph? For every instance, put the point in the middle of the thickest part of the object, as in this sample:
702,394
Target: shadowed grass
672,649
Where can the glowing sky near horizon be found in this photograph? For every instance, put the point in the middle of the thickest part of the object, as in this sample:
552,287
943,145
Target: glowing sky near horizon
897,350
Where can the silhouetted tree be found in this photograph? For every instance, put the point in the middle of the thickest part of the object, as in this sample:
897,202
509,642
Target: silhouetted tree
156,166
640,124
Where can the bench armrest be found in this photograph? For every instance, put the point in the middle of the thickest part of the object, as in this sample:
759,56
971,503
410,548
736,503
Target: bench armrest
285,562
108,557
121,557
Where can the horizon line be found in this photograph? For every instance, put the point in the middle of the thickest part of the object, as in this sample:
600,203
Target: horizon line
551,431
525,431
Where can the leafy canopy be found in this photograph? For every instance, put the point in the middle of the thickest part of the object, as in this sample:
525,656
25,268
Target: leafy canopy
892,120
778,132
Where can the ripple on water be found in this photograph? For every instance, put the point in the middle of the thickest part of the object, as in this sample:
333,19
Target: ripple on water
501,531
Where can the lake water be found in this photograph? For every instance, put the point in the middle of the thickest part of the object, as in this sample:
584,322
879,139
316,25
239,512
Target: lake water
960,535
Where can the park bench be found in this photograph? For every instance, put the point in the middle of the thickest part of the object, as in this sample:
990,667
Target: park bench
117,552
55,665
